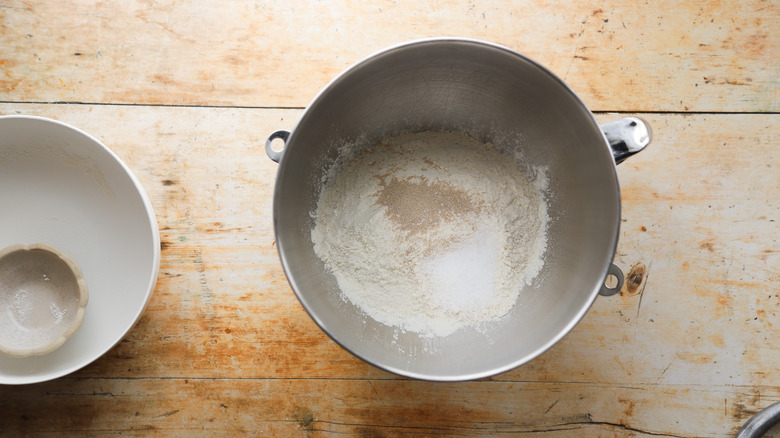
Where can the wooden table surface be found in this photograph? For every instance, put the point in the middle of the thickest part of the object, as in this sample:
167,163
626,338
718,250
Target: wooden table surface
186,92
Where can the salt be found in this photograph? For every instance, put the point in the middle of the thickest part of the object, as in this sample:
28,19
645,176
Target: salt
57,313
22,305
463,279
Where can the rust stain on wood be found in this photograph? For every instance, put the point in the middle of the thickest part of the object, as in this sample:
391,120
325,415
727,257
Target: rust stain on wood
746,405
741,413
635,280
630,404
696,358
718,340
724,304
304,417
708,245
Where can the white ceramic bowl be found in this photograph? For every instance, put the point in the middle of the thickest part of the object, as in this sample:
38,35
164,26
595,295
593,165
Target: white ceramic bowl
67,189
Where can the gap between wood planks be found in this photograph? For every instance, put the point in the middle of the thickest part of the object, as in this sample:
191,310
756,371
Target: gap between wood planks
157,105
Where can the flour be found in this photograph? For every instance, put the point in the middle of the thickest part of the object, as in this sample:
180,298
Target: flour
432,232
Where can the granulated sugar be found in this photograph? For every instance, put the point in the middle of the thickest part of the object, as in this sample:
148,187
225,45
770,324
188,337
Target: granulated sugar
432,232
462,279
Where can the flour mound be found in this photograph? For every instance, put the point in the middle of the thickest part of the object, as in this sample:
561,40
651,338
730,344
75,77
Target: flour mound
432,232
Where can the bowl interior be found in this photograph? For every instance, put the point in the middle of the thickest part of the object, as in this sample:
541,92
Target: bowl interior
495,95
70,191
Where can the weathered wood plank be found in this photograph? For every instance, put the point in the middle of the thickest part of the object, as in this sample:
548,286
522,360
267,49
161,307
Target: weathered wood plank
716,56
224,348
311,407
700,210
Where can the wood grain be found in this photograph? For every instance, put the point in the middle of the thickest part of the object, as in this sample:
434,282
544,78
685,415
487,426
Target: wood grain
186,92
619,55
374,408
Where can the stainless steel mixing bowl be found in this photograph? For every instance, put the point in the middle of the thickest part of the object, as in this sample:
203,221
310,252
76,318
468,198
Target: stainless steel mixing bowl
494,94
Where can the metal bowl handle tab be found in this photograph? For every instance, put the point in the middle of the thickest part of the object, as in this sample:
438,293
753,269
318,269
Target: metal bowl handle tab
627,136
608,291
760,423
272,153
